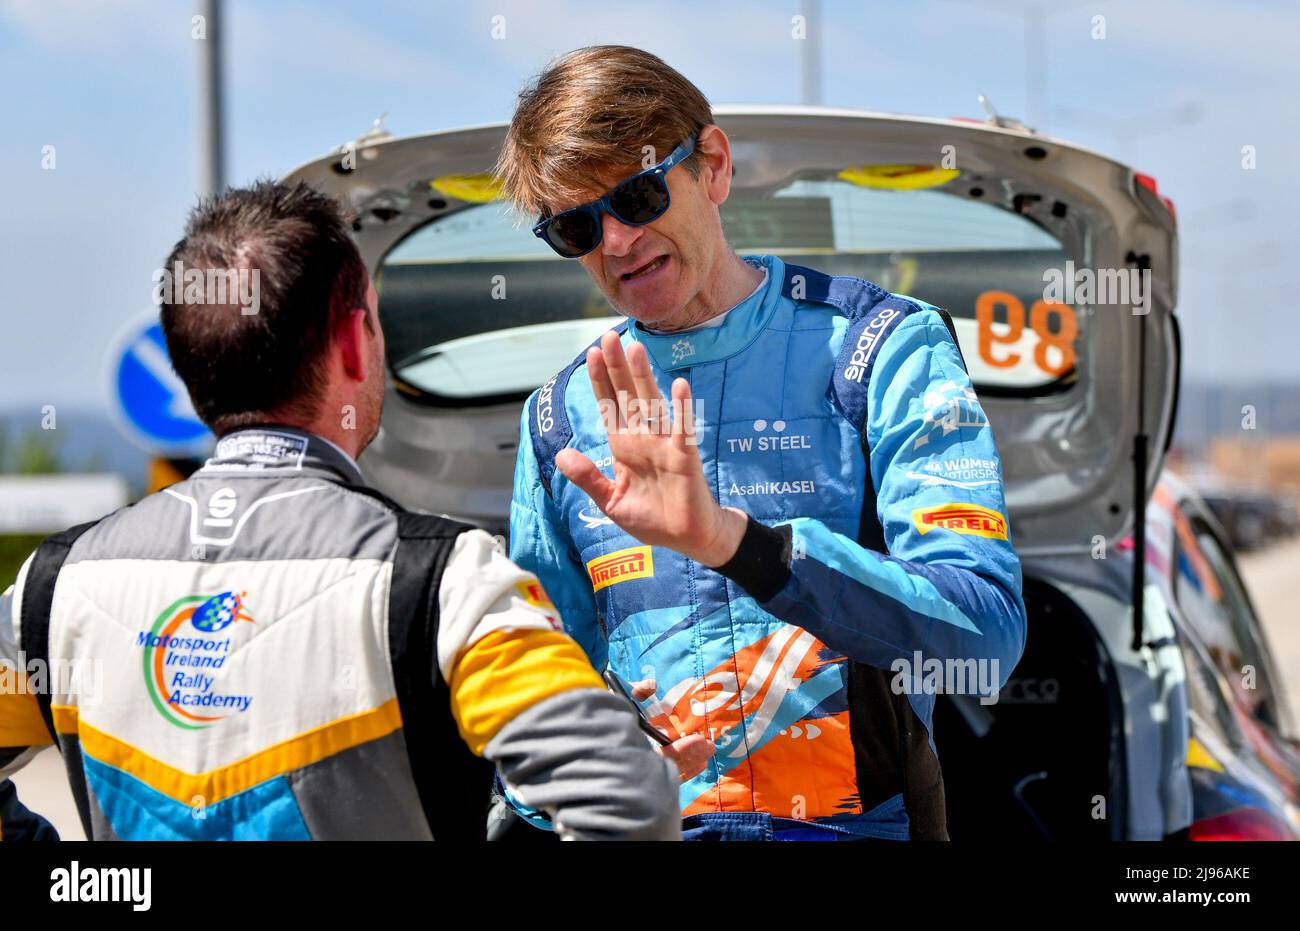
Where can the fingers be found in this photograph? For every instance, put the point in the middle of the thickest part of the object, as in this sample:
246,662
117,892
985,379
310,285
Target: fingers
642,378
603,389
683,415
643,689
580,470
691,754
620,375
647,412
625,388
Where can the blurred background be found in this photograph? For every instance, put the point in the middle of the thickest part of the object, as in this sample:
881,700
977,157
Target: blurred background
104,147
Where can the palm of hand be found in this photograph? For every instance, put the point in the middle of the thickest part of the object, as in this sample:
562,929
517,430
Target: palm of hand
659,495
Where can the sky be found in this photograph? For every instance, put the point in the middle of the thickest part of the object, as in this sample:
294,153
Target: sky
1175,88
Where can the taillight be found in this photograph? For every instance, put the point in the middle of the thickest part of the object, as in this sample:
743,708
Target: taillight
1149,183
1241,824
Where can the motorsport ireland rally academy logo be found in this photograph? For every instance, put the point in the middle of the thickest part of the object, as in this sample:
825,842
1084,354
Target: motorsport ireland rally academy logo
183,654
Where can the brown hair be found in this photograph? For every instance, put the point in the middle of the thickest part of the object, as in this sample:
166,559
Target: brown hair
241,368
590,114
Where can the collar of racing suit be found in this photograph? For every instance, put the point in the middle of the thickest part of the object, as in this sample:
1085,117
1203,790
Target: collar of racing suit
275,447
742,326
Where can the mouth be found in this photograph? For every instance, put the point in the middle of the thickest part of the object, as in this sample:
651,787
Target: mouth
648,268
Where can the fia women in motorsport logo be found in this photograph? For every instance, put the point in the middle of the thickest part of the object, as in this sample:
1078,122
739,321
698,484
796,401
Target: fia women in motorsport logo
183,654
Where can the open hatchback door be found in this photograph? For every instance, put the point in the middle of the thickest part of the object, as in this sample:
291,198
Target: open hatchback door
1056,263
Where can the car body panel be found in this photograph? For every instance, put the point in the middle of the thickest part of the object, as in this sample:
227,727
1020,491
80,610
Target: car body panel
1257,763
1155,794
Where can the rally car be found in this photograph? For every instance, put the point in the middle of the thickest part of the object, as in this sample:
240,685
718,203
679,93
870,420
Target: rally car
1059,267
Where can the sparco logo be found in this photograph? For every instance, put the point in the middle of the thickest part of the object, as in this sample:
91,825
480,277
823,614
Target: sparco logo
544,419
867,345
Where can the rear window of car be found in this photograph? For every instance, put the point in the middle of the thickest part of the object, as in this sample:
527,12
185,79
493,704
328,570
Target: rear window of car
475,308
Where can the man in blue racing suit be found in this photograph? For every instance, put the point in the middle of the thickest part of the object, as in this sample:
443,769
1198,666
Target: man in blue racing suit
793,553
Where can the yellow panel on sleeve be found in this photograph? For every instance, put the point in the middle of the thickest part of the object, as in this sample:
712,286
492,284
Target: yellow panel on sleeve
20,721
507,672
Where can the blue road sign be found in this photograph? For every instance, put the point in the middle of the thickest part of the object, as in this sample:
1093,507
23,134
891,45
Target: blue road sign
152,406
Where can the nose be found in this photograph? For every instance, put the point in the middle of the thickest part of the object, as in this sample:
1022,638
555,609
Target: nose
617,238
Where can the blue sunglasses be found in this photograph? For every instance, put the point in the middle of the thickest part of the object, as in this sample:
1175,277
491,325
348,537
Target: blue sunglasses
641,199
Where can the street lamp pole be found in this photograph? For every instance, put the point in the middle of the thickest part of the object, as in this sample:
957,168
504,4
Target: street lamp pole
811,55
211,129
1035,64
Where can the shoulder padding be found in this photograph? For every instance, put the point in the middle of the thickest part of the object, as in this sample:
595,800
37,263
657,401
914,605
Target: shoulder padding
853,297
873,314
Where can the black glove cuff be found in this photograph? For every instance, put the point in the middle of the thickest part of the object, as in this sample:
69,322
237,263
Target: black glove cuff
761,565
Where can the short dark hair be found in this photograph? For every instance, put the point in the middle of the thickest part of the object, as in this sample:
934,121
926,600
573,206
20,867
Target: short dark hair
238,367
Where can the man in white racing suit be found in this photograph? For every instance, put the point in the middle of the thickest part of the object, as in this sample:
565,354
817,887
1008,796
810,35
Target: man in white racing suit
271,649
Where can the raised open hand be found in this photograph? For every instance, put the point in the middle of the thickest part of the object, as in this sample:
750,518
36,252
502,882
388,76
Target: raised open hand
658,494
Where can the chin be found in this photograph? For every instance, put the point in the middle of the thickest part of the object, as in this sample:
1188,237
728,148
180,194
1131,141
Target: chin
652,303
655,309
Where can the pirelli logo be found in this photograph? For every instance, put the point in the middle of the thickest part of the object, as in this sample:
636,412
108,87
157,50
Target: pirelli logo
970,519
621,566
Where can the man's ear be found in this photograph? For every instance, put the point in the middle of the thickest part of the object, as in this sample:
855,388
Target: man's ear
713,149
351,339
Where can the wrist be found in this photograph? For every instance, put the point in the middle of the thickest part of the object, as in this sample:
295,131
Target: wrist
726,540
761,564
